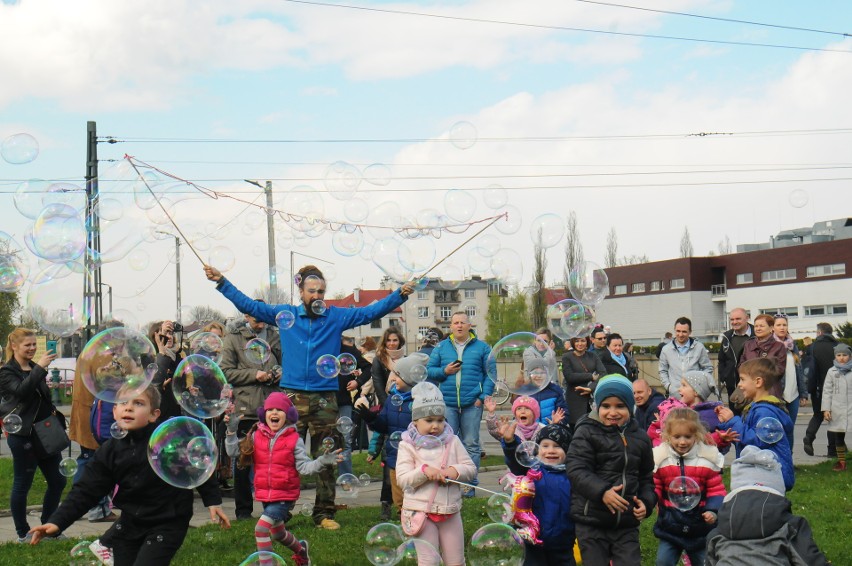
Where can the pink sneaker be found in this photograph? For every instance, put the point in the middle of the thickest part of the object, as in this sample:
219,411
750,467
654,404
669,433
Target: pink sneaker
103,553
302,558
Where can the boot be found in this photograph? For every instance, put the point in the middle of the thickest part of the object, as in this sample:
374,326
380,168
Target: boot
840,466
386,511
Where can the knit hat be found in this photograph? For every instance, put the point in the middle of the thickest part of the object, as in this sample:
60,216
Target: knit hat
757,467
427,401
664,408
529,403
558,433
281,401
843,349
412,368
615,385
699,383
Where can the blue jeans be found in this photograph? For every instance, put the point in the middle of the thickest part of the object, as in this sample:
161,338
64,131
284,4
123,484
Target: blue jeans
668,554
793,409
24,464
465,422
279,510
345,467
103,507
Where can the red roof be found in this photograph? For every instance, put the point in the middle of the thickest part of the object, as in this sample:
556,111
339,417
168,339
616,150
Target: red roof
366,297
553,296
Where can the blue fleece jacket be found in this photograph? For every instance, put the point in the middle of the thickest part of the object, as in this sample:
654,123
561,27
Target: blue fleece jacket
393,418
471,382
549,399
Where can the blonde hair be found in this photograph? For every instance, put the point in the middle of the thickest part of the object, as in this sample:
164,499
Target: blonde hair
217,325
15,338
684,416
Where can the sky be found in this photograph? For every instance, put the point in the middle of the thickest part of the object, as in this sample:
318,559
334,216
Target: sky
430,104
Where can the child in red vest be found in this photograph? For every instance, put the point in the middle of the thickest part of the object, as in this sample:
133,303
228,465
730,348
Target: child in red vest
278,454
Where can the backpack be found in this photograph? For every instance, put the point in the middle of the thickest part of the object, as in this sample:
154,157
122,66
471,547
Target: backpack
101,419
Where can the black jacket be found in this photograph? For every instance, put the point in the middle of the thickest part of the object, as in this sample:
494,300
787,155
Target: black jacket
344,397
822,353
612,366
380,375
601,457
25,393
729,359
145,500
644,415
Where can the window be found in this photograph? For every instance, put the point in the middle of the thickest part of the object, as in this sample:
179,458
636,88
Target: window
422,295
446,312
638,287
826,270
494,288
677,283
376,323
422,312
791,312
778,275
470,293
619,290
470,311
745,278
824,310
422,331
392,322
656,285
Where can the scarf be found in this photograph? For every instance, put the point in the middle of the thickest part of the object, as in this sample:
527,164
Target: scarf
528,432
788,342
843,368
622,359
393,356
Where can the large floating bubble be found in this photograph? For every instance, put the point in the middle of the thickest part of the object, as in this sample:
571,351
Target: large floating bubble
496,543
347,244
507,266
463,135
222,258
348,485
588,283
499,508
505,363
328,366
418,552
263,558
199,385
417,255
12,423
344,425
14,267
769,430
356,210
378,174
547,230
527,454
68,467
684,493
18,149
460,205
59,233
341,180
495,196
347,363
174,453
798,198
285,320
385,254
381,545
114,364
138,260
511,223
567,319
207,344
258,351
28,197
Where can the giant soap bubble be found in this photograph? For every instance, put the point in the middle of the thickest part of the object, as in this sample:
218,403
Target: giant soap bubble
769,430
114,364
14,267
496,543
263,558
182,452
200,387
207,344
568,319
505,364
382,543
59,233
588,283
547,230
418,552
18,149
684,493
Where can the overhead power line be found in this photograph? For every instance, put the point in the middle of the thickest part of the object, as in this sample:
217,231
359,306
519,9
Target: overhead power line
567,28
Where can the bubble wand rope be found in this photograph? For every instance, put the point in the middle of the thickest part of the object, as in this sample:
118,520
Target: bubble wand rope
473,486
460,246
166,212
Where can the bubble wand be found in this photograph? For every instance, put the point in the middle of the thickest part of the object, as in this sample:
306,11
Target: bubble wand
473,486
460,246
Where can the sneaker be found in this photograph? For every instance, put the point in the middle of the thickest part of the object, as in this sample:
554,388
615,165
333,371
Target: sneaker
303,557
26,539
111,518
328,524
809,446
103,553
839,467
60,536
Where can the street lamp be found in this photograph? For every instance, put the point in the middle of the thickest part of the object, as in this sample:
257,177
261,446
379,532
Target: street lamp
270,234
177,270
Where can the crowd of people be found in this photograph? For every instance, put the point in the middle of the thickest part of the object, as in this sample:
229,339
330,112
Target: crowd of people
611,447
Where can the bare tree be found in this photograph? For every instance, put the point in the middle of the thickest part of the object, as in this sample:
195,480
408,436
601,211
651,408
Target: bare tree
633,259
272,296
611,257
686,243
539,303
204,314
724,246
573,247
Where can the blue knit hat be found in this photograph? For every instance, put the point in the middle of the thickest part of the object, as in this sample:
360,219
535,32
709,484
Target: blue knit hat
615,385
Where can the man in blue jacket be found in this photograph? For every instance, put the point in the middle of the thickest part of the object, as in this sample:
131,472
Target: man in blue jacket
315,331
458,366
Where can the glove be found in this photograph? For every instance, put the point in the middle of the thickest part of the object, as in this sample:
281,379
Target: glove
368,414
329,459
233,424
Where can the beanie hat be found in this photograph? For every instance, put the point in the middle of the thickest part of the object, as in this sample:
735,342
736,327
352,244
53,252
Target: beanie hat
412,368
699,383
529,403
427,401
757,467
281,401
843,349
558,433
664,408
615,385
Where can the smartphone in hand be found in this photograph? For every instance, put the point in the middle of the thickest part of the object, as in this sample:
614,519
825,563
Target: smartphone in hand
51,346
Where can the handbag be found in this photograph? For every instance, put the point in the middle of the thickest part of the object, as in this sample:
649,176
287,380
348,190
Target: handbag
413,521
51,433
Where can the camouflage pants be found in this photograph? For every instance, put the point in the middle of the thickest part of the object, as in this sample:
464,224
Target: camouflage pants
318,416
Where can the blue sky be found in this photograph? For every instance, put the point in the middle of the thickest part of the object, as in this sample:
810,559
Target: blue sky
267,70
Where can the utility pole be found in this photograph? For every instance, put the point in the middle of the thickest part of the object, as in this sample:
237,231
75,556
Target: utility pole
270,233
92,285
177,270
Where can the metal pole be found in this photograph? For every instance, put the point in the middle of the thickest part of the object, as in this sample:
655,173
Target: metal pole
177,276
292,277
91,285
270,240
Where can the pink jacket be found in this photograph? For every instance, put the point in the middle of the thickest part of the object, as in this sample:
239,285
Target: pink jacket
447,500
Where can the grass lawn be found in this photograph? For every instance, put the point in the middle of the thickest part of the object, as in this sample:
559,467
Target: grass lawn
822,496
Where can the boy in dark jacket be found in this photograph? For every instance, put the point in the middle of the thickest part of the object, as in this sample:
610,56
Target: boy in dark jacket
610,464
155,515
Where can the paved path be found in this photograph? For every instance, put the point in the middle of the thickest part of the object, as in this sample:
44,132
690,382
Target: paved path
369,496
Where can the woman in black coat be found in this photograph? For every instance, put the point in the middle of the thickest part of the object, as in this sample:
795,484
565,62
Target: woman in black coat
580,368
616,360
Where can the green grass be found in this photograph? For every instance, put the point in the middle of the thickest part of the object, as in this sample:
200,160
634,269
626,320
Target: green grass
822,496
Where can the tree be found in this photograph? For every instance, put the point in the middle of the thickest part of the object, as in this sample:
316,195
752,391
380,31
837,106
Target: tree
507,315
844,330
538,307
685,243
8,306
611,257
277,296
573,247
204,314
633,260
724,246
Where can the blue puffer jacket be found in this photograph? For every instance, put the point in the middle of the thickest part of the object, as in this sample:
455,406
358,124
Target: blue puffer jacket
549,399
469,384
393,419
101,419
309,337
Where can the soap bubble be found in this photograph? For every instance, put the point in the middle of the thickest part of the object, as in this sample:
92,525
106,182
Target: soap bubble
527,454
347,363
81,555
168,452
385,254
328,366
113,364
110,209
341,180
365,479
382,543
416,551
512,222
222,258
257,351
566,318
798,198
12,423
450,275
356,210
507,266
412,368
396,400
417,255
501,393
263,558
496,543
116,431
347,244
285,319
394,439
769,430
506,357
588,283
344,425
200,387
328,444
460,205
138,260
348,484
68,467
14,267
684,493
307,509
499,508
18,149
429,446
495,196
207,344
547,230
59,233
463,135
377,174
200,452
28,195
318,307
